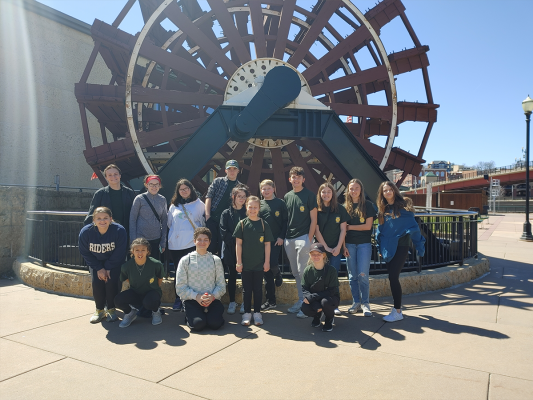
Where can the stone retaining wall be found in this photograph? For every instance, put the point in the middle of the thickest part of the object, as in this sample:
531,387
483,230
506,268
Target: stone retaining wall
78,283
15,201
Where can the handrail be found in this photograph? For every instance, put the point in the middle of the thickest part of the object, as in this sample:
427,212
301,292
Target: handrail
48,186
64,213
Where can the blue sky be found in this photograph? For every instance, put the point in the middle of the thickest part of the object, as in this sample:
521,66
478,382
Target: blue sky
481,68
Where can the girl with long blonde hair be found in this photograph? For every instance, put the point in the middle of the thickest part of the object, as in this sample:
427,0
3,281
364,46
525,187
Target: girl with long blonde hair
358,246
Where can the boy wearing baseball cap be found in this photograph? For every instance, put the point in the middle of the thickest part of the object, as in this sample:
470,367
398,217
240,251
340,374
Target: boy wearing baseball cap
217,200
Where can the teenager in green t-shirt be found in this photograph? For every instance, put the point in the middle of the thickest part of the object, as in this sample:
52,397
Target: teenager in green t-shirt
358,249
331,225
144,275
274,212
302,212
253,237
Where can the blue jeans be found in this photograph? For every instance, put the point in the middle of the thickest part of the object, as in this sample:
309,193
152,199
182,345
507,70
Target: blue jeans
335,261
358,268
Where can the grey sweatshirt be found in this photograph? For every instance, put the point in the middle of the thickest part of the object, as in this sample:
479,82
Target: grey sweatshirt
143,222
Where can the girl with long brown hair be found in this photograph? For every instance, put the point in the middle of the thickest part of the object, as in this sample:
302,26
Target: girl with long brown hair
229,219
397,227
185,214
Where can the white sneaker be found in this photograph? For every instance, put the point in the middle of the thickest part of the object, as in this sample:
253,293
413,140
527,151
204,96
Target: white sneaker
301,315
242,309
232,307
156,317
354,308
98,316
393,316
295,307
366,310
246,319
337,311
258,319
128,318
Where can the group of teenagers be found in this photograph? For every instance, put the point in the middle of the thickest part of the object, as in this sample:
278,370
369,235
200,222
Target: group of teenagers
239,233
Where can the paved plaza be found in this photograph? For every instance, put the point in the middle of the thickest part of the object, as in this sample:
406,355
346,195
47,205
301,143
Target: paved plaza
470,342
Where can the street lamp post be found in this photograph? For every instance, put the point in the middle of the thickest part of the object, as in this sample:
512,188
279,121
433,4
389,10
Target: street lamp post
527,105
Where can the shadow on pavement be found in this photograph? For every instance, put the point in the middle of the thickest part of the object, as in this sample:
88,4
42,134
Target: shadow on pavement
422,323
173,331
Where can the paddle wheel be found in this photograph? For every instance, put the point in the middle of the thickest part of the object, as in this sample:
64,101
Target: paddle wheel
192,57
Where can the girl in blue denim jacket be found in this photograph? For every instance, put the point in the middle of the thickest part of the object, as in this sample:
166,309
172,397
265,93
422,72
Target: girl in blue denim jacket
397,228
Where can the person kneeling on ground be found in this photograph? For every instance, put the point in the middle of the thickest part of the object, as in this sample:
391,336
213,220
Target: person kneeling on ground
320,286
144,275
200,284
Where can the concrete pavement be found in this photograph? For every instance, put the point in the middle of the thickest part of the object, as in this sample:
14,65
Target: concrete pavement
469,342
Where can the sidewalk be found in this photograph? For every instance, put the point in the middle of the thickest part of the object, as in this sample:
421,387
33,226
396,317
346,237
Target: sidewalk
471,342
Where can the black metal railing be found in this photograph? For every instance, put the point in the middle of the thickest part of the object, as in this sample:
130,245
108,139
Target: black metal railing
52,238
451,237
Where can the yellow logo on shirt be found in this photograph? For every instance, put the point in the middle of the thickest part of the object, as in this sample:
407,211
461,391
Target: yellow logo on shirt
261,239
302,208
362,220
277,213
338,219
152,280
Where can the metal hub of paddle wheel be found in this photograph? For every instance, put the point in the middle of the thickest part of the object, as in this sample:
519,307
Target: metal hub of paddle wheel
194,56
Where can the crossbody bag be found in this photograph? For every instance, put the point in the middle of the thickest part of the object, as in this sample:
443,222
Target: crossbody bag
187,215
154,211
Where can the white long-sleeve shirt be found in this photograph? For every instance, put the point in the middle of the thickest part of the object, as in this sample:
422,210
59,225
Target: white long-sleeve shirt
180,234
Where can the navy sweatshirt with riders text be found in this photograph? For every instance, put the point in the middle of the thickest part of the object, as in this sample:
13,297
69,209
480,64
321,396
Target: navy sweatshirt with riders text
106,251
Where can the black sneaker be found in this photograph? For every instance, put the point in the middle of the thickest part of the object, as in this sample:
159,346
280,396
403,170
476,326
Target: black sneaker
316,321
267,306
278,280
328,325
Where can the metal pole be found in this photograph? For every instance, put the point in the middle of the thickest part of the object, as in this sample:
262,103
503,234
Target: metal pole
526,235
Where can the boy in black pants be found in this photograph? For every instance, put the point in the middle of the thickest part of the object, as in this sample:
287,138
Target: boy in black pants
218,198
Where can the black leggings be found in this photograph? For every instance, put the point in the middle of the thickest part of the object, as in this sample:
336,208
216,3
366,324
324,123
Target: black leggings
150,300
229,265
394,267
328,305
270,287
104,292
252,283
154,249
176,256
198,319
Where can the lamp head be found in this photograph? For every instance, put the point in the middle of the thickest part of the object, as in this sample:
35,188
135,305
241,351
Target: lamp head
527,105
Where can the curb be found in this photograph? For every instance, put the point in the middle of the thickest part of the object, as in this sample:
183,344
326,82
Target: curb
78,283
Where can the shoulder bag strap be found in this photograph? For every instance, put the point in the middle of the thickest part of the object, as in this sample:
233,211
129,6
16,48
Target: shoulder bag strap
187,215
152,207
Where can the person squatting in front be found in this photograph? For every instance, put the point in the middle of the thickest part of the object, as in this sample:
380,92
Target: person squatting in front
228,222
103,246
320,285
253,237
274,212
302,217
397,227
200,284
331,225
144,275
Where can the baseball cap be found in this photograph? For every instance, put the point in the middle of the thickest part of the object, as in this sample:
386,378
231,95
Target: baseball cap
317,247
232,163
